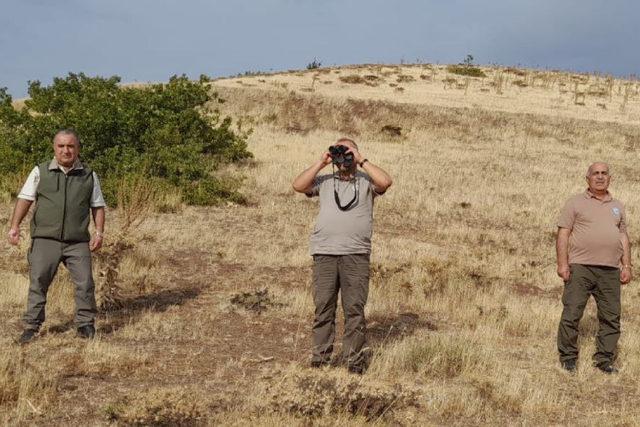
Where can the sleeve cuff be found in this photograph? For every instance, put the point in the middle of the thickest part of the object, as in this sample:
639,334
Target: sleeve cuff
25,197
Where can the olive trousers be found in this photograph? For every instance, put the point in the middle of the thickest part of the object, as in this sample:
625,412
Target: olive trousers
45,255
604,284
348,275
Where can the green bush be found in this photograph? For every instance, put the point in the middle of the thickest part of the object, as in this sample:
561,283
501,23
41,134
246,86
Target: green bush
314,65
165,131
466,70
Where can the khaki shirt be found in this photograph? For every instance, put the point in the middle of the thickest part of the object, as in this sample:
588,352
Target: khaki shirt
596,229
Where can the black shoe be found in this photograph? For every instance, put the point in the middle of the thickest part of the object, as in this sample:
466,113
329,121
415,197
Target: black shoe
359,370
569,365
86,331
27,336
607,368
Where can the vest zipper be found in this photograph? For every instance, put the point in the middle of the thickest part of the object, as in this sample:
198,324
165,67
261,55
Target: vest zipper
64,209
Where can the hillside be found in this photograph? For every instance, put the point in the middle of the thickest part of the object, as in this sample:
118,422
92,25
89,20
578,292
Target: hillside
464,299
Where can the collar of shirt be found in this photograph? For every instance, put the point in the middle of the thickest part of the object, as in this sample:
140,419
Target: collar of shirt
349,178
589,195
54,165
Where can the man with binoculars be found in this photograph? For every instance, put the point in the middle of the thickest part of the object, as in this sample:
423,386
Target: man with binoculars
341,246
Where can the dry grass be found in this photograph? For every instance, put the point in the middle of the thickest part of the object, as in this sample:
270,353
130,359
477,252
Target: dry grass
464,300
547,93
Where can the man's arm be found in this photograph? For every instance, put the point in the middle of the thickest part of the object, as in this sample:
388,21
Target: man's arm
625,272
562,253
19,212
98,220
304,182
381,180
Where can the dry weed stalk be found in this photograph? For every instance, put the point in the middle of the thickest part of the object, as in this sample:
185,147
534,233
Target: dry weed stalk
499,81
625,99
137,198
449,83
579,96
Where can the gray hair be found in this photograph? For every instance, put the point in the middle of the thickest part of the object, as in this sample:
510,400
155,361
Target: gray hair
68,131
595,163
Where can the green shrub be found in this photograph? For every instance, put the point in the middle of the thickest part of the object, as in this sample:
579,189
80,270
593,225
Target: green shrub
314,65
466,70
164,131
353,79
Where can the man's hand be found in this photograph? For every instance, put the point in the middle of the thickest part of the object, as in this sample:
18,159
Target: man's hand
356,154
96,242
326,158
625,275
564,272
14,236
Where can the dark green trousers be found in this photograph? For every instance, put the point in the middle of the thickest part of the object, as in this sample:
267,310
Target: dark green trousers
604,284
348,274
44,258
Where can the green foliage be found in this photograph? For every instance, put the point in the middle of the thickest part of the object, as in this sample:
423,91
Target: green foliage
164,131
466,70
313,65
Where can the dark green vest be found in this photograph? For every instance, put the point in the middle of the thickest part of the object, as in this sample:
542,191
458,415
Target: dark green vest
63,204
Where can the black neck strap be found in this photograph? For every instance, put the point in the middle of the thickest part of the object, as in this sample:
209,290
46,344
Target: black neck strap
337,198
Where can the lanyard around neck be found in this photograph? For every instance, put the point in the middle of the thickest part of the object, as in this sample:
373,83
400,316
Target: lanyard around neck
353,200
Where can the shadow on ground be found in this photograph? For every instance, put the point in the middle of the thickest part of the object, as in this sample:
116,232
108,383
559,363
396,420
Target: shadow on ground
383,330
113,318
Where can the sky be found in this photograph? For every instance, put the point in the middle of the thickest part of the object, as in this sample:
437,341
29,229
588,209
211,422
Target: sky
151,40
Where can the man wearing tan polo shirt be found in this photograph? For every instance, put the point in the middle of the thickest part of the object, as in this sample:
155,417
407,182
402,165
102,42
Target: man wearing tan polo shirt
594,258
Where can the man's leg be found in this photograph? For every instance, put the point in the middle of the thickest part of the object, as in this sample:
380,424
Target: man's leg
325,298
44,257
607,296
575,297
77,258
354,285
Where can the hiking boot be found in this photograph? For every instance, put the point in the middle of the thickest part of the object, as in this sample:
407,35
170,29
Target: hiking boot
607,368
86,331
27,336
569,365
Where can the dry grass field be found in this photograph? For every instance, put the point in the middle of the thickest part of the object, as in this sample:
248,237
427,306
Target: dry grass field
207,311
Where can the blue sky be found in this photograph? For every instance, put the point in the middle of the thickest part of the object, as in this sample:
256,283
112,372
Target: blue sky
150,40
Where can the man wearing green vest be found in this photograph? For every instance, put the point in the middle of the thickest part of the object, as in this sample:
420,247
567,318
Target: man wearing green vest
66,192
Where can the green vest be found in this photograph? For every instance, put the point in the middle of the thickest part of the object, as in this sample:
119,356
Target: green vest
63,204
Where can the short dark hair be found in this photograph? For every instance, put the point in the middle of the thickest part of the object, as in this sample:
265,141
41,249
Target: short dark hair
68,131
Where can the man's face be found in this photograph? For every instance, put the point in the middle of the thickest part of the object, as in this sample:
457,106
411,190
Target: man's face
598,178
341,167
66,149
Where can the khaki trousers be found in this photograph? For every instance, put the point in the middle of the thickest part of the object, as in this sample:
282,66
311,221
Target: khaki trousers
44,258
348,274
604,284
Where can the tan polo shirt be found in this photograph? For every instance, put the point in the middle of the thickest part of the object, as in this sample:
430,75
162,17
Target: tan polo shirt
596,229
